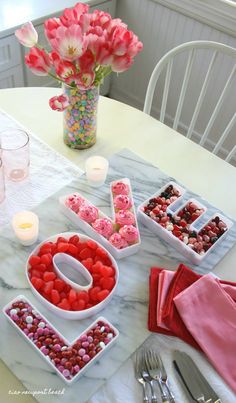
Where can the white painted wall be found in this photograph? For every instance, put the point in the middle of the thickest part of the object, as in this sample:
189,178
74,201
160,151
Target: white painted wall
160,29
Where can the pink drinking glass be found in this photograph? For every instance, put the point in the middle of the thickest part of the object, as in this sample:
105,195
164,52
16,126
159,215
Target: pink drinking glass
14,144
2,184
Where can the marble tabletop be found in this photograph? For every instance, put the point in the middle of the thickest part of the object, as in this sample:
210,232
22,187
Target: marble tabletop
128,308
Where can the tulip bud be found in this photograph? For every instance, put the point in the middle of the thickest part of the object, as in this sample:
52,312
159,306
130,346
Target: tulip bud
27,35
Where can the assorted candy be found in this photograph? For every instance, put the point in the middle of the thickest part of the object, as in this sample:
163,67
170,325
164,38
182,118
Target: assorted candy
80,117
179,224
94,258
123,231
68,359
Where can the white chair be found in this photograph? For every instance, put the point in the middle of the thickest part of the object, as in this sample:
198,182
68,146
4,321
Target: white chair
167,62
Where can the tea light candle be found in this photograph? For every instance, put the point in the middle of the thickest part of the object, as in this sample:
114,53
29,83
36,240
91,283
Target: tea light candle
96,170
26,227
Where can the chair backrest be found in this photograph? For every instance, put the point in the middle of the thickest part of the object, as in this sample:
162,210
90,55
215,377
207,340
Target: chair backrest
166,63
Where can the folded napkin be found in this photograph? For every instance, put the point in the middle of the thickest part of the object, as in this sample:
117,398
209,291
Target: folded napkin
152,311
182,279
209,313
164,279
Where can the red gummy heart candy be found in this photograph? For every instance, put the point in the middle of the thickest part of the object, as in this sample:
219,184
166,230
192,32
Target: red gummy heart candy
64,304
88,263
73,250
46,259
81,246
59,284
92,244
96,278
101,295
97,267
55,297
78,305
37,282
36,273
49,276
34,260
85,253
107,283
74,239
62,239
106,271
40,267
72,296
45,248
83,295
93,293
48,287
62,247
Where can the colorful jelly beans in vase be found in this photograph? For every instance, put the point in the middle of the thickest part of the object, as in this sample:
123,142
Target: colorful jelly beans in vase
80,117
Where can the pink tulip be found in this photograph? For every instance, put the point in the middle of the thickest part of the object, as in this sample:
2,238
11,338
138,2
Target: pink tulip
121,63
76,15
87,61
55,58
125,42
101,49
50,27
100,18
135,46
85,79
65,70
27,35
69,42
38,61
59,103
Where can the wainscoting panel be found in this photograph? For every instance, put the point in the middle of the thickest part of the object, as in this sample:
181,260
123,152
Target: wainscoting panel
160,29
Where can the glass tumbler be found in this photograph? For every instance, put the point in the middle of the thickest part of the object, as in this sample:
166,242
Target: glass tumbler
2,184
14,145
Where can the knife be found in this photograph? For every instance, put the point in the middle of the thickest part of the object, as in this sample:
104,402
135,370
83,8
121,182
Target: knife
193,379
181,379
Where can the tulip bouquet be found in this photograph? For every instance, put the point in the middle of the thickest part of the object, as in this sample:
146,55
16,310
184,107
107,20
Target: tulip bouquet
86,47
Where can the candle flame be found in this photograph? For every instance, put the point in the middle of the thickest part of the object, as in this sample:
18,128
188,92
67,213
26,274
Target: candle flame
25,225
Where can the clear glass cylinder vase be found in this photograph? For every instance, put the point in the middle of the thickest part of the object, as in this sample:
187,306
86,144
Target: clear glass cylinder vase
80,117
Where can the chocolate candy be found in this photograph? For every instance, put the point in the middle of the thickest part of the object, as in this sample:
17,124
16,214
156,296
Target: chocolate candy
179,225
66,358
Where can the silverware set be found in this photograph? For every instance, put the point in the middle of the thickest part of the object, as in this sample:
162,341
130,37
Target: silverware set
193,380
149,372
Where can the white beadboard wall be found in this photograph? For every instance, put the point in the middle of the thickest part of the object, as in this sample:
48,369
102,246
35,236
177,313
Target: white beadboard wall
160,29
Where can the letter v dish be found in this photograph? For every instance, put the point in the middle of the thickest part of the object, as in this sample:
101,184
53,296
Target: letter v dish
120,235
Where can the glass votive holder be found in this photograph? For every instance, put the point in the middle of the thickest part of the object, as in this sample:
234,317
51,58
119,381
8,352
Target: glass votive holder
26,227
96,168
14,144
2,182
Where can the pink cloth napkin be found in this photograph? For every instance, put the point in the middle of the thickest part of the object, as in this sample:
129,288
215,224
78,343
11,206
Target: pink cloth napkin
165,278
209,313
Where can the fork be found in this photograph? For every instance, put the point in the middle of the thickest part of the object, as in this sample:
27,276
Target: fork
148,378
164,378
138,374
154,371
